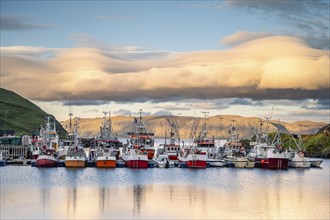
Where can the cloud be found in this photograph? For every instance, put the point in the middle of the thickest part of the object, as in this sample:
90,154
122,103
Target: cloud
274,67
124,112
82,102
162,112
242,37
319,104
18,23
30,52
125,53
91,111
173,107
315,115
308,19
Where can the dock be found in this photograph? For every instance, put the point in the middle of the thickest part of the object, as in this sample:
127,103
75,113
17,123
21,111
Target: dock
15,151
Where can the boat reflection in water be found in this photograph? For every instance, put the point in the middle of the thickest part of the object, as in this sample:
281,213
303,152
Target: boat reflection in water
164,193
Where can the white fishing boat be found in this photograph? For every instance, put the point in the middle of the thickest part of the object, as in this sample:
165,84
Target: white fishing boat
172,148
242,162
76,156
297,157
214,158
107,139
163,161
203,142
298,160
234,151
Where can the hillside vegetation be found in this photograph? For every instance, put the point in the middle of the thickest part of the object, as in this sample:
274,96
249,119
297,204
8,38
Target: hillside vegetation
313,144
21,115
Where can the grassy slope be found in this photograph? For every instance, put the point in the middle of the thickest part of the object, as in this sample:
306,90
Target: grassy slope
17,113
313,144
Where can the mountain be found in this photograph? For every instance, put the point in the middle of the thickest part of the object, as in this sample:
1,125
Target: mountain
216,125
21,115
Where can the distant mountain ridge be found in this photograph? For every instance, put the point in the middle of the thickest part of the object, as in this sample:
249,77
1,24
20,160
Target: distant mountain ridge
21,115
217,126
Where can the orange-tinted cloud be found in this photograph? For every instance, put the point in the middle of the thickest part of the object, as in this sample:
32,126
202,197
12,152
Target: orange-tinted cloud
268,67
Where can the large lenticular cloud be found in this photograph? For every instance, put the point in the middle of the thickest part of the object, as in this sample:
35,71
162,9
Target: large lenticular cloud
271,67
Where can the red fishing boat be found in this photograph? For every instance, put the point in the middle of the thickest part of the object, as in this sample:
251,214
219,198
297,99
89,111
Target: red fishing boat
192,157
140,146
141,138
46,158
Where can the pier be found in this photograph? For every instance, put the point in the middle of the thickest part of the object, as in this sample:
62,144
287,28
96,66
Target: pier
15,151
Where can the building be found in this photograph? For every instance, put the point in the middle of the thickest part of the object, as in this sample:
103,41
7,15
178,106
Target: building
7,133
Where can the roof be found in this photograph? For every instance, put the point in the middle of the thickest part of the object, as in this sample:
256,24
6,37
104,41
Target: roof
7,132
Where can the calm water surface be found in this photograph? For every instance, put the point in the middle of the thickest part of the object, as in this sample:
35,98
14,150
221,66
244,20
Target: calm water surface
215,193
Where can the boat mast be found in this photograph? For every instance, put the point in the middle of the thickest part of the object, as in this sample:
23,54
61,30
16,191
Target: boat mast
204,130
232,131
70,128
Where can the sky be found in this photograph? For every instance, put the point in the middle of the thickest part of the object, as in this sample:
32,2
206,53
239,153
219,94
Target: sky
169,57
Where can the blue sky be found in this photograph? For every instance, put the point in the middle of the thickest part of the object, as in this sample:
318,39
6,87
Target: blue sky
169,57
167,25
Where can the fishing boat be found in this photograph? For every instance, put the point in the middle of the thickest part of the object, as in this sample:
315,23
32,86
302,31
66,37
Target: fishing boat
47,156
203,142
105,157
298,160
67,142
141,138
133,157
76,156
297,157
214,158
47,159
140,146
240,161
163,161
106,139
192,157
269,155
171,149
234,152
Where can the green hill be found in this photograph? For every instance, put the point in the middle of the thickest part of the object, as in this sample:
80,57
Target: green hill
21,115
317,145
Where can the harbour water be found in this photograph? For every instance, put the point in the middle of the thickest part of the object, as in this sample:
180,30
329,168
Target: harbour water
174,193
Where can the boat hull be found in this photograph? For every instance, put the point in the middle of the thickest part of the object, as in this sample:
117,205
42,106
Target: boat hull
105,163
199,164
216,163
273,163
316,162
2,163
136,164
75,163
173,157
244,164
194,160
300,164
46,162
